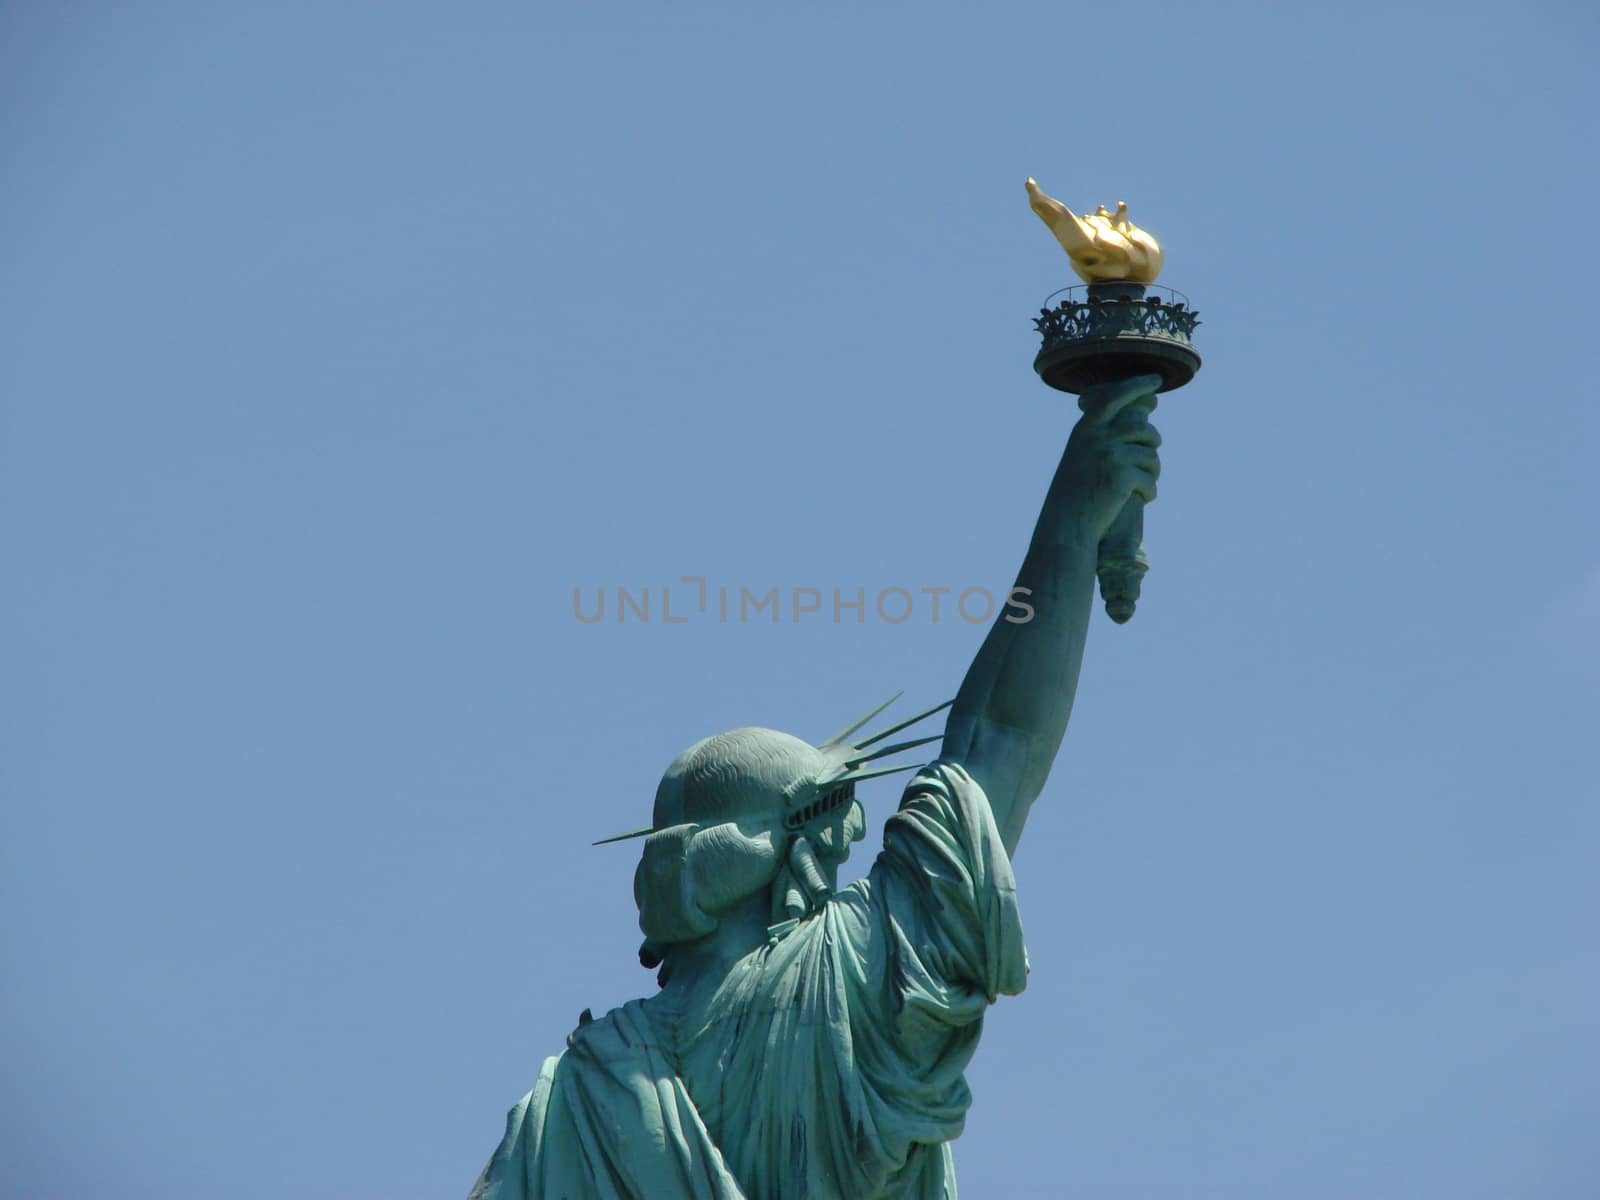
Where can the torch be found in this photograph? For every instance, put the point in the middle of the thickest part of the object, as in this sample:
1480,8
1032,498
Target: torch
1113,326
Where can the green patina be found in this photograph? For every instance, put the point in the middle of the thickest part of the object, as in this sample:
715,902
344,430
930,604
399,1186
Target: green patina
808,1042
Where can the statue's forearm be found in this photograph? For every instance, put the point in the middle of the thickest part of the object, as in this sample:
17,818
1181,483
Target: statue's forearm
1012,709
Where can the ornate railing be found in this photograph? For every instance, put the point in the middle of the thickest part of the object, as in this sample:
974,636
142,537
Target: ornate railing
1161,312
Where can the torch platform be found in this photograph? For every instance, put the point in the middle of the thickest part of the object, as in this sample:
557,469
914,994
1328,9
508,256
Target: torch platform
1102,332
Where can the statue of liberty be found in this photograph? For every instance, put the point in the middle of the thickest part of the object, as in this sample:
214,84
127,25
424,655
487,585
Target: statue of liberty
809,1042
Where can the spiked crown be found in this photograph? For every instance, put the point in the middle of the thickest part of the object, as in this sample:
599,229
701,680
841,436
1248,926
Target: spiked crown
727,775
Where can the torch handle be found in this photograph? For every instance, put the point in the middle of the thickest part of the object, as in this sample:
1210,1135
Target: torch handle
1121,563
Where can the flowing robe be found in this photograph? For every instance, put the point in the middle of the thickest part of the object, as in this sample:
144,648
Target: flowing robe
826,1065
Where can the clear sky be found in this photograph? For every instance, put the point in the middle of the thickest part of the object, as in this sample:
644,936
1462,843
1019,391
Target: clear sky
339,342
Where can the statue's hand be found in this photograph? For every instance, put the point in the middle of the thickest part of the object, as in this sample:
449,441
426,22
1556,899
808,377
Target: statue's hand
1110,456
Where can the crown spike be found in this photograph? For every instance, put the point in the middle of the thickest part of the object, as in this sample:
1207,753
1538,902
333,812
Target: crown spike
855,725
874,772
909,721
885,751
622,837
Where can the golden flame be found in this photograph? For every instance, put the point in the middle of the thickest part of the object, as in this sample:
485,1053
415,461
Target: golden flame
1104,246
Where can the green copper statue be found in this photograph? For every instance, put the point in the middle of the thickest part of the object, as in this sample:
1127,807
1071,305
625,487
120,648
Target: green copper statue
809,1042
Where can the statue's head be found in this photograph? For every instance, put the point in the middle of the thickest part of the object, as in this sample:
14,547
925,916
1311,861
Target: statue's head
747,813
743,813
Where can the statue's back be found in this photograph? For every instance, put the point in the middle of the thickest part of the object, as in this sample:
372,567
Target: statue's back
825,1064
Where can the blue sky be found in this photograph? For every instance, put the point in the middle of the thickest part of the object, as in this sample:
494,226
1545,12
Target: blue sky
341,342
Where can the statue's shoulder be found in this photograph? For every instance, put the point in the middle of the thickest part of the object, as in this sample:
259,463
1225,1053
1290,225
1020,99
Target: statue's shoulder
615,1088
634,1032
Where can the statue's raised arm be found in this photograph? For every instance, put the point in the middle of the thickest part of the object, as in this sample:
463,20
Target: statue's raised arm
1012,709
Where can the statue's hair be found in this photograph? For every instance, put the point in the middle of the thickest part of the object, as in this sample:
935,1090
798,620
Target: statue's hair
689,874
743,772
719,815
